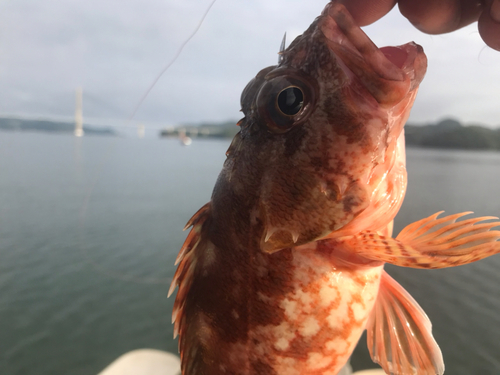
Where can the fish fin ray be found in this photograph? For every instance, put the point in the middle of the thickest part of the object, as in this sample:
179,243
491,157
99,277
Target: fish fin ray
399,333
197,216
434,242
193,236
186,263
192,326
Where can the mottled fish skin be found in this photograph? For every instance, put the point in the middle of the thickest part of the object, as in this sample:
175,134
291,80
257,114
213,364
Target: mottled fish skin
267,285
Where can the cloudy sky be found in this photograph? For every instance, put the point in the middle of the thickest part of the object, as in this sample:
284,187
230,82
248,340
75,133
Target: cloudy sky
114,49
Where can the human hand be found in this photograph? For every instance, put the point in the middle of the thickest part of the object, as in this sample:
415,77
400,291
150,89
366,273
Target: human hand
435,16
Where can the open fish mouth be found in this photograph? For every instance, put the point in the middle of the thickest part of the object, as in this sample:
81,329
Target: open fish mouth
387,73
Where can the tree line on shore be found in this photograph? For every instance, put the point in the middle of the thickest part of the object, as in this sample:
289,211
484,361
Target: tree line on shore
448,134
451,134
34,125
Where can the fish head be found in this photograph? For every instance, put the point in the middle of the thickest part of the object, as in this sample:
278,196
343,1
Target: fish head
321,146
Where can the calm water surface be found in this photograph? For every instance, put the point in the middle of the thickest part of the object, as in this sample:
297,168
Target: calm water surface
90,228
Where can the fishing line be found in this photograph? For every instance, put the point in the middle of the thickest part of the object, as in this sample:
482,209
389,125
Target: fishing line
83,210
179,51
479,55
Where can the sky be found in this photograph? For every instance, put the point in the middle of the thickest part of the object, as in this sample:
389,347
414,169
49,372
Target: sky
114,49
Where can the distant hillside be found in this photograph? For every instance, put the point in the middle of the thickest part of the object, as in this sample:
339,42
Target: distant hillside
16,124
227,129
448,133
452,134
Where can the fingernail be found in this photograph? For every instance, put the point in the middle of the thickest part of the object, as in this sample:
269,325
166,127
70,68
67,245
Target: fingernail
495,10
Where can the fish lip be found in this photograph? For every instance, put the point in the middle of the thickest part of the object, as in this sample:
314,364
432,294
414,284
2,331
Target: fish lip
381,70
415,64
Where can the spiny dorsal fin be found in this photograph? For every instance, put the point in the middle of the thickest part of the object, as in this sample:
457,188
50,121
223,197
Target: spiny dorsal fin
185,259
282,49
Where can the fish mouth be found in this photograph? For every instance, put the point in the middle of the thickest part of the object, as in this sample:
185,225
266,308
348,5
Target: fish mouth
388,73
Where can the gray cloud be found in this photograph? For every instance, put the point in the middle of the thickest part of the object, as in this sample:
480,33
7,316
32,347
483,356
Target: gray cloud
114,49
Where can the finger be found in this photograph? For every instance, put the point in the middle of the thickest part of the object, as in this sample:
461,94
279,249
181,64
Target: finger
441,16
489,26
366,12
495,10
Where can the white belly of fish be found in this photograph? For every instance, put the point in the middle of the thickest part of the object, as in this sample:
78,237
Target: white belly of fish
324,315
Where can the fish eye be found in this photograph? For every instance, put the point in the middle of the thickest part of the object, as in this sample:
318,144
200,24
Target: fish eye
290,101
286,99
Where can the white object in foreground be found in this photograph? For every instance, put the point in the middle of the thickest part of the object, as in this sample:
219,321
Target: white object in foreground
144,362
157,362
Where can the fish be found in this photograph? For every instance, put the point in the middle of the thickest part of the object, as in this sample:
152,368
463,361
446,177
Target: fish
283,269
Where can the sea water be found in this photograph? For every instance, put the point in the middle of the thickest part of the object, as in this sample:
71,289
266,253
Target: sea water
90,228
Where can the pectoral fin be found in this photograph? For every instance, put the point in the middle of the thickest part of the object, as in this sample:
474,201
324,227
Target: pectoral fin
433,242
399,333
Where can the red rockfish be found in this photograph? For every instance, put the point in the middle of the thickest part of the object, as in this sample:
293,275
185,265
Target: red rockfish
283,268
